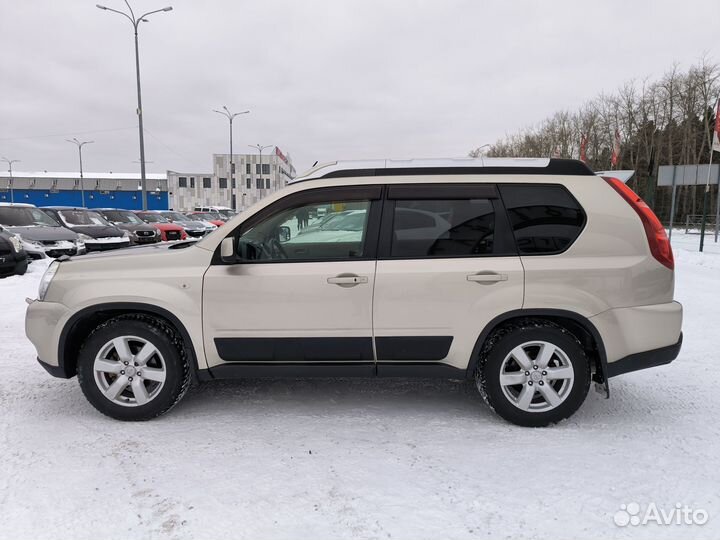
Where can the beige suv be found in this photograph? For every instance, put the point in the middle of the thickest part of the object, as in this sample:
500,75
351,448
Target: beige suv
530,277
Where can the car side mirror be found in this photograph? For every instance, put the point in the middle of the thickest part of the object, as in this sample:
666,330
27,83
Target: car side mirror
283,233
227,250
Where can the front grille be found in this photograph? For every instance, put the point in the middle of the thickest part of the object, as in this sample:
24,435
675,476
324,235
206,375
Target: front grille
195,234
145,233
58,252
48,242
173,235
5,248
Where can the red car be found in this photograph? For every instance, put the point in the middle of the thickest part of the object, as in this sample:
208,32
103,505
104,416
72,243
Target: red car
168,231
207,216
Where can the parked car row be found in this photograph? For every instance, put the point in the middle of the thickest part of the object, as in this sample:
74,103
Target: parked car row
53,231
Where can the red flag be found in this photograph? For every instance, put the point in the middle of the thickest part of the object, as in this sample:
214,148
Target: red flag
583,147
616,149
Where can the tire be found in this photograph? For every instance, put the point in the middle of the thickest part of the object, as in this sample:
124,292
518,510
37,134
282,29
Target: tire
515,382
21,267
154,379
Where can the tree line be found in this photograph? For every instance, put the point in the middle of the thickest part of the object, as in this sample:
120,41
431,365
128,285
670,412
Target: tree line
658,122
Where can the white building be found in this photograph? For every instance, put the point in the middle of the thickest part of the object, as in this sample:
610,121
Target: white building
188,190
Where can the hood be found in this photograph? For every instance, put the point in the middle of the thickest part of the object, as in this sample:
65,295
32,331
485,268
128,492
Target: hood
167,226
42,234
98,231
191,224
135,227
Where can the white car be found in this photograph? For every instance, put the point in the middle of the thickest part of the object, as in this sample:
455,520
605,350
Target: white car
41,235
532,278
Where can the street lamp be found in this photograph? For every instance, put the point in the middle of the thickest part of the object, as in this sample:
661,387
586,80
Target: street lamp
260,149
10,162
135,21
79,145
230,116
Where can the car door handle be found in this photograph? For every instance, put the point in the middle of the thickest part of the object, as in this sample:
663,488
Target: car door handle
487,277
347,280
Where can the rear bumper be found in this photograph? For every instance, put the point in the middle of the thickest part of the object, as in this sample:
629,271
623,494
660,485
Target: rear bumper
645,359
635,330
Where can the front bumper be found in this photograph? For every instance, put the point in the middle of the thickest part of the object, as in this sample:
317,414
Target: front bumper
103,244
43,323
37,250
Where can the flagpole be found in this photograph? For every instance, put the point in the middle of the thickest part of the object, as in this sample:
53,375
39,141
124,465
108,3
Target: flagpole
705,203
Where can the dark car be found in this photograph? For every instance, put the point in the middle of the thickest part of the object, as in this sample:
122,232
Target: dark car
94,229
40,234
13,259
140,232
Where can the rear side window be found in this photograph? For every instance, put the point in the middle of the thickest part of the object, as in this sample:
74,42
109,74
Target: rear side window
442,228
545,219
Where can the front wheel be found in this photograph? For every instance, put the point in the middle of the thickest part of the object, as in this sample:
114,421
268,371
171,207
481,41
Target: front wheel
533,373
133,367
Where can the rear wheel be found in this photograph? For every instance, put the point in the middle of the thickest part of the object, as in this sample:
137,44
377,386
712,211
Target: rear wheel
533,373
133,367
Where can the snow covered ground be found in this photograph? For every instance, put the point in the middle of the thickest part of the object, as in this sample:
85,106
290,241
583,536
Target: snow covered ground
363,458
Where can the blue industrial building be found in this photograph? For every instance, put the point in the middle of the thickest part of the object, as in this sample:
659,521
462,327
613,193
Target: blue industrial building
100,190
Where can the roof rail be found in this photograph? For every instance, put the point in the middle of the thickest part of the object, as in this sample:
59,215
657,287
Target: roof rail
412,167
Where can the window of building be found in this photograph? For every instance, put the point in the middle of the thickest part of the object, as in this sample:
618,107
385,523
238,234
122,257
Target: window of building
192,182
259,183
544,218
267,183
248,183
266,168
232,168
257,168
233,183
222,183
247,168
207,183
443,228
182,181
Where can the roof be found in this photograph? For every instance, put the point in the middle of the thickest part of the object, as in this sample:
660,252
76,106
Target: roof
86,175
407,167
21,205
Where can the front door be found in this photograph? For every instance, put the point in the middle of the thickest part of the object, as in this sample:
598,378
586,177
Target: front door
447,266
299,298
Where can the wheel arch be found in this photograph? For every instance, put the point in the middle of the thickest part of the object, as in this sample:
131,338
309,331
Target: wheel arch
579,325
84,321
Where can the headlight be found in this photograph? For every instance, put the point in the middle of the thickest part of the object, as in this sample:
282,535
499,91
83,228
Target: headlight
84,237
126,234
46,279
16,242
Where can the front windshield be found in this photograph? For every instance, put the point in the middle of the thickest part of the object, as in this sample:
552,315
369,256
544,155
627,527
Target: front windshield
176,216
23,216
153,218
227,214
82,217
118,216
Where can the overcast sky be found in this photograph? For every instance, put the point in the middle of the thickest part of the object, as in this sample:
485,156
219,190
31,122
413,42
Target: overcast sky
324,80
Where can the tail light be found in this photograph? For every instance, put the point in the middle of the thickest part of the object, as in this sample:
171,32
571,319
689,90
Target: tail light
655,232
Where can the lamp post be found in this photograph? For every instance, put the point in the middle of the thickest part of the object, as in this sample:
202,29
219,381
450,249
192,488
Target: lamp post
10,162
79,145
135,21
260,149
230,116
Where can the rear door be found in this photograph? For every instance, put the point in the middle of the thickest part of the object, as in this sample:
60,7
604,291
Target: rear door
447,266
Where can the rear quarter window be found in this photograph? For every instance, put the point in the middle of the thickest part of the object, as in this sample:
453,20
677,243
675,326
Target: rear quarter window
545,219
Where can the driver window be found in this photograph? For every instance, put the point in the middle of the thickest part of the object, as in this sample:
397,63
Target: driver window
332,230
